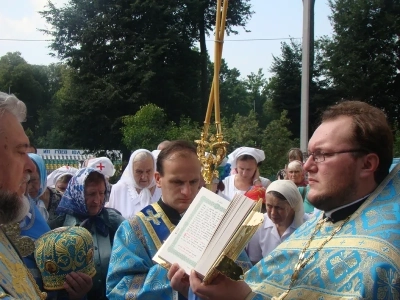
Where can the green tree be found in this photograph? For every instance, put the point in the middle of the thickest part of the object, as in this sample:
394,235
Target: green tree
284,88
256,85
145,129
276,142
201,16
186,130
28,83
243,131
48,131
124,55
234,97
364,52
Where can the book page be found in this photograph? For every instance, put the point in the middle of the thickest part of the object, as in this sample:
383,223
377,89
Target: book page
190,238
232,221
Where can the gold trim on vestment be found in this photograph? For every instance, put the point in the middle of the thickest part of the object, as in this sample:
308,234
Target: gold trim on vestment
164,217
379,246
150,228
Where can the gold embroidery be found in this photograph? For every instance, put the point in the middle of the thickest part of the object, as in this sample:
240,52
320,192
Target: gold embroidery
24,244
19,273
150,228
137,283
302,262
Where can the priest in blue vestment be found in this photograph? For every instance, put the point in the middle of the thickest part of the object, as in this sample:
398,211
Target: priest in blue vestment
132,274
351,249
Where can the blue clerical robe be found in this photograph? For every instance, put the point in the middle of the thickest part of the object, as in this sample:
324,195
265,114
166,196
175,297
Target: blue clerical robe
361,261
132,274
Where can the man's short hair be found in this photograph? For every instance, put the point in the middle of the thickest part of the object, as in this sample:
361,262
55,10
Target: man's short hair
371,131
163,144
13,105
295,154
174,146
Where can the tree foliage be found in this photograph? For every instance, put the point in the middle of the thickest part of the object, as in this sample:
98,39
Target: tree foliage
244,131
276,142
29,83
364,52
146,129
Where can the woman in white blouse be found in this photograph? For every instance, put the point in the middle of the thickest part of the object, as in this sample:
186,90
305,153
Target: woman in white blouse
285,213
244,161
137,188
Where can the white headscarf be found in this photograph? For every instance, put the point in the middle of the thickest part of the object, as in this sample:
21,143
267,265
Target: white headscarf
53,177
289,190
128,179
103,165
256,153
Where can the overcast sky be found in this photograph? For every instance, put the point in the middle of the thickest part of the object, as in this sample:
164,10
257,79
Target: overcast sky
273,19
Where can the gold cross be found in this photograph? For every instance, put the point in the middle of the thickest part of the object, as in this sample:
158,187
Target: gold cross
153,217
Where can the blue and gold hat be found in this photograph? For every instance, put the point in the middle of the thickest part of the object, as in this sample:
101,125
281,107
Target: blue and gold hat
62,251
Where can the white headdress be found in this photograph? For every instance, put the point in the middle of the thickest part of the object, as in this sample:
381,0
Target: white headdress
289,190
103,165
53,177
129,180
256,153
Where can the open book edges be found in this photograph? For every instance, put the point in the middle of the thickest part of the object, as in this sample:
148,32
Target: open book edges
211,235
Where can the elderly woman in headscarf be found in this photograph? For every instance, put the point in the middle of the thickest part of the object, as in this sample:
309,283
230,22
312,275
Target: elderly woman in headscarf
244,161
285,213
60,177
137,188
83,204
37,184
46,197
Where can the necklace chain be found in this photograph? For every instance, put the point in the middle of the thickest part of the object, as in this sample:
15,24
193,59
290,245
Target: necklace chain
302,262
42,295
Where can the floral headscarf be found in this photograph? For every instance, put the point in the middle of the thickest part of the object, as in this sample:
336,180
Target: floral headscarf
73,201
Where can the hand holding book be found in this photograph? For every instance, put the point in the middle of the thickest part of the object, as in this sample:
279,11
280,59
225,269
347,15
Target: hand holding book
211,235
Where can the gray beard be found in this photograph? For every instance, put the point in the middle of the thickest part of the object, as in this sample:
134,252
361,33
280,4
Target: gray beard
13,208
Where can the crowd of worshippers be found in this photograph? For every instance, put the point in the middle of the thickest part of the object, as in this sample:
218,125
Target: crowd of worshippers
331,226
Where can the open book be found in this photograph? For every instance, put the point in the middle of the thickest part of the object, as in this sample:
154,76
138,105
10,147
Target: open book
211,235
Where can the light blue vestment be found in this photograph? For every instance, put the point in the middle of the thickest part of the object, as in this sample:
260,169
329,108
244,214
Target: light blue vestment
362,261
132,274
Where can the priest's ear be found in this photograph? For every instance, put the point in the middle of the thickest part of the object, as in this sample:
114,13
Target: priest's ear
370,163
157,177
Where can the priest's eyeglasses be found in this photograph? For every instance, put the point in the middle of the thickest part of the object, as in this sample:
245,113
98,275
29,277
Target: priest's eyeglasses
320,156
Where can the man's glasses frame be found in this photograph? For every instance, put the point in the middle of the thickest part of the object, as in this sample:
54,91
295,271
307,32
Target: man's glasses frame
320,156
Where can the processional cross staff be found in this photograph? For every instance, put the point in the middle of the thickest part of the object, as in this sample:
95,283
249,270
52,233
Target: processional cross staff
212,150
